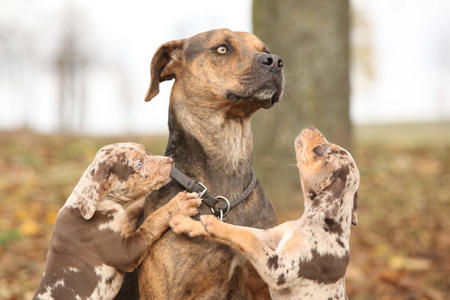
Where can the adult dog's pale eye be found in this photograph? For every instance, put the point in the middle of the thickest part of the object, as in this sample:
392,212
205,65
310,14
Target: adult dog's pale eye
139,164
221,49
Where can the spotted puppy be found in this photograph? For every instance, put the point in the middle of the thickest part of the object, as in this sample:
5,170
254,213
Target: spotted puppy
95,240
306,258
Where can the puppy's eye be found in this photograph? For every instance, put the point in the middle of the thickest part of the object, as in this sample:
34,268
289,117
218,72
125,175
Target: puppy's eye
321,150
221,49
139,164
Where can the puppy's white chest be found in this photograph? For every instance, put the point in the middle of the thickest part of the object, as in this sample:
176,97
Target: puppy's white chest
117,218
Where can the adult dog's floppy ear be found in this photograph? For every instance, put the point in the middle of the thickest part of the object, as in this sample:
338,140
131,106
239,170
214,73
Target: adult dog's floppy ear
355,209
326,204
92,189
164,64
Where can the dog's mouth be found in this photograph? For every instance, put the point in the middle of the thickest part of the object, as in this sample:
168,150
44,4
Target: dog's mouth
267,97
270,96
264,95
258,90
165,168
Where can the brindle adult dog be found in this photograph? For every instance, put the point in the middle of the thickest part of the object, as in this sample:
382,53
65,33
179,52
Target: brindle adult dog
221,79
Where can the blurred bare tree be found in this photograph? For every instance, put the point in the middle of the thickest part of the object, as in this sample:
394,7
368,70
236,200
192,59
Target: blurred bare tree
362,58
312,37
17,67
71,65
443,62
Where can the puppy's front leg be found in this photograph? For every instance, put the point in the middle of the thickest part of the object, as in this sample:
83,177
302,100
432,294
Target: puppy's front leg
134,212
181,224
257,245
244,240
239,238
182,204
132,250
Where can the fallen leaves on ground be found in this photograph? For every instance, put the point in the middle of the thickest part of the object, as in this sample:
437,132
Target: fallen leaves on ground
400,248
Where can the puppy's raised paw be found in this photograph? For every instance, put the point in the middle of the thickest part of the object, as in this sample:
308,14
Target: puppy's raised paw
211,224
189,204
186,204
182,224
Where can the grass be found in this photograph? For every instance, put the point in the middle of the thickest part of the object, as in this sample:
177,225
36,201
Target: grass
399,249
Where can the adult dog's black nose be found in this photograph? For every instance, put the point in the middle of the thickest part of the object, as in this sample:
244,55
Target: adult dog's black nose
271,61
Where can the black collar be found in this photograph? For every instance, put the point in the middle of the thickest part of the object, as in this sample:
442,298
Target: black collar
220,211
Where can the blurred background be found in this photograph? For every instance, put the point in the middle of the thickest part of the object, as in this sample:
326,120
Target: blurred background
373,76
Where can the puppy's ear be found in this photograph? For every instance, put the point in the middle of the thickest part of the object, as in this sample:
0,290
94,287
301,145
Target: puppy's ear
326,204
355,209
92,189
164,64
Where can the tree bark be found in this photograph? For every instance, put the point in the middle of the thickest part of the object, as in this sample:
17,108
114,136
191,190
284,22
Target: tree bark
312,38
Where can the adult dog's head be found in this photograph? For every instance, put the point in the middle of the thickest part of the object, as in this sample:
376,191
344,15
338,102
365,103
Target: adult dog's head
219,68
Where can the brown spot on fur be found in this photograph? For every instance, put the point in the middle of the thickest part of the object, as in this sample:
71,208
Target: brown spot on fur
326,268
110,280
333,227
340,243
281,279
102,172
285,291
272,262
122,170
341,173
355,209
342,152
311,194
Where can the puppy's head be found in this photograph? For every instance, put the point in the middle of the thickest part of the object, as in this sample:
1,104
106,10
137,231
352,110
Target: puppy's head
228,68
329,176
122,172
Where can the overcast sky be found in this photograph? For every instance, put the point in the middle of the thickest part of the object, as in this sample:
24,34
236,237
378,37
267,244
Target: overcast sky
410,39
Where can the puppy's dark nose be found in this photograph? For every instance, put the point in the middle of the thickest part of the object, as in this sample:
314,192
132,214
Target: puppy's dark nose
271,61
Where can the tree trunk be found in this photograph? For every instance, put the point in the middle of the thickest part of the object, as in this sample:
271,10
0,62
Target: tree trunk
312,38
